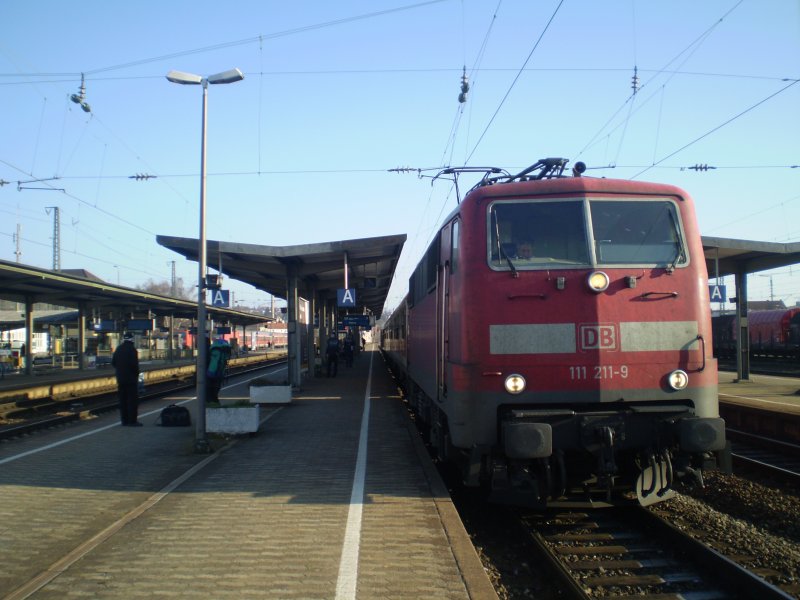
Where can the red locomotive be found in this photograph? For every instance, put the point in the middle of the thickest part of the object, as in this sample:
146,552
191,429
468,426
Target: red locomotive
556,338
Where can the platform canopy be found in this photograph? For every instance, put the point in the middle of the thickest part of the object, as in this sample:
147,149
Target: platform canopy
726,256
78,288
319,268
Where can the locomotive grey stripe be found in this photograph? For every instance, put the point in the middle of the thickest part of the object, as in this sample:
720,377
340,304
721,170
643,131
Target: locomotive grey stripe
532,339
664,335
555,338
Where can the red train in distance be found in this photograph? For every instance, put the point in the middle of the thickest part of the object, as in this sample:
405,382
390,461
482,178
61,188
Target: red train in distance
555,341
773,333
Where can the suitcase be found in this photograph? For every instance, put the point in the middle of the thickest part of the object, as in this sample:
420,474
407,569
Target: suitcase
175,416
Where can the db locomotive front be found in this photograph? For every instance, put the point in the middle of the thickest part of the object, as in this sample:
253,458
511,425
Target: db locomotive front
555,341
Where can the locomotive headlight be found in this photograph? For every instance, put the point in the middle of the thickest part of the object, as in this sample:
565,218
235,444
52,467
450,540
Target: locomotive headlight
678,379
598,281
515,384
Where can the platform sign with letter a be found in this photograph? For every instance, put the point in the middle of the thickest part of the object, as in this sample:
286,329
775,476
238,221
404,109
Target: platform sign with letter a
717,293
346,297
221,298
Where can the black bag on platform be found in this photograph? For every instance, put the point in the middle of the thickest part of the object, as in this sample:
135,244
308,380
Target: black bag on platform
175,416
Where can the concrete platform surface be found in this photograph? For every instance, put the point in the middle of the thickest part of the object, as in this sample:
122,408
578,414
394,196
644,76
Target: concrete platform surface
334,497
769,392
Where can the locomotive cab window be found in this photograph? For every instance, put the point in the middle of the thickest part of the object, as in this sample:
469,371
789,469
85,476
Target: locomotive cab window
637,232
537,234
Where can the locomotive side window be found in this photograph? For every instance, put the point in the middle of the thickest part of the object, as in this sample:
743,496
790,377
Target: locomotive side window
454,247
423,280
636,232
530,235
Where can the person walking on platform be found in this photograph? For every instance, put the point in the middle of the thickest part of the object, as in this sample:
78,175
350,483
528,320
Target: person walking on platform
348,350
332,352
126,367
218,355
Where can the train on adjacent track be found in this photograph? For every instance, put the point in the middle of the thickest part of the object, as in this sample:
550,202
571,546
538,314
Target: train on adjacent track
555,341
772,333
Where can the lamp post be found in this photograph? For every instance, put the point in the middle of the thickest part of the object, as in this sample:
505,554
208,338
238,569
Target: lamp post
232,76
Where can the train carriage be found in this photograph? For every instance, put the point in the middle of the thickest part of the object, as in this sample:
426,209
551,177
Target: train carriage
773,333
558,338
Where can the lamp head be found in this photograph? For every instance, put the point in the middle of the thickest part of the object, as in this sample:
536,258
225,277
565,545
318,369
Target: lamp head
184,78
230,76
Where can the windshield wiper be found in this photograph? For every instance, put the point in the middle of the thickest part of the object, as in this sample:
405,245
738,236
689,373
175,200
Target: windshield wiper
510,263
500,252
679,254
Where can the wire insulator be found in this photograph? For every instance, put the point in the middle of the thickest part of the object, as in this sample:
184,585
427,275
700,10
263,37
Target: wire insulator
635,80
462,97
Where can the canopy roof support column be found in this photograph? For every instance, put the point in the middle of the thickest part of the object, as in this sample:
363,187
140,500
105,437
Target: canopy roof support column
311,346
742,328
28,335
81,336
294,338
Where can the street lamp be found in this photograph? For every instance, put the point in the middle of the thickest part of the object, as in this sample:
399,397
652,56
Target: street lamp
232,76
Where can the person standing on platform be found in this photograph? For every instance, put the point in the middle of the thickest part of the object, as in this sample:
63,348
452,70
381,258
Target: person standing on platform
332,352
126,366
218,355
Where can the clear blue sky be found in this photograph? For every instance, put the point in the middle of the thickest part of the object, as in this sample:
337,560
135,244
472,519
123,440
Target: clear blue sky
337,93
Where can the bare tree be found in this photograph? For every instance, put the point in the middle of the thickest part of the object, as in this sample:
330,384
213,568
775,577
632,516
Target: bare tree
164,288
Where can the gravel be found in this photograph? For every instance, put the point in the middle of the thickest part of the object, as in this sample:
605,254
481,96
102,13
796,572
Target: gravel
756,522
752,520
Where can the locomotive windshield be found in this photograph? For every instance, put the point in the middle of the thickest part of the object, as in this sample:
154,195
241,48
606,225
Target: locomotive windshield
581,233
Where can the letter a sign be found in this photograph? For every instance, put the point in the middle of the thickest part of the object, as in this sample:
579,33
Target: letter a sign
346,297
220,298
717,293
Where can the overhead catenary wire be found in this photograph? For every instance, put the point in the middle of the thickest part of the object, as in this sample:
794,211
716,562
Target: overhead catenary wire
67,77
261,37
691,48
718,127
458,135
514,82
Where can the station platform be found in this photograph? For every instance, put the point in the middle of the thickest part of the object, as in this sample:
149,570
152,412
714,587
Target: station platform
334,497
779,394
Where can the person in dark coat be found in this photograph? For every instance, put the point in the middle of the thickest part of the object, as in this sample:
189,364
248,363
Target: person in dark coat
332,353
126,366
348,350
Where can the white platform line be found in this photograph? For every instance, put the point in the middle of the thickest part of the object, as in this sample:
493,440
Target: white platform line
348,565
97,430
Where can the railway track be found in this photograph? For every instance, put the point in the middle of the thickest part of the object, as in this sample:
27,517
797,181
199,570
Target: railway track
763,366
773,457
633,553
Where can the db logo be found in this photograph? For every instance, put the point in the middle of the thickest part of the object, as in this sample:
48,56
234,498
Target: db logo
595,336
